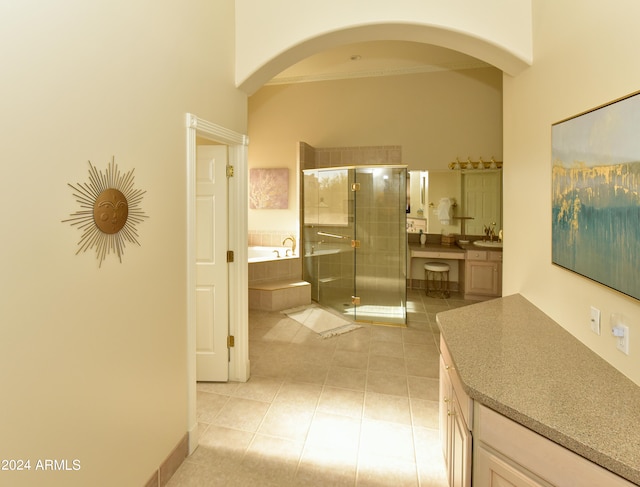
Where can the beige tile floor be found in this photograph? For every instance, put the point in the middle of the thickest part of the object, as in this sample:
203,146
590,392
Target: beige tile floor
359,409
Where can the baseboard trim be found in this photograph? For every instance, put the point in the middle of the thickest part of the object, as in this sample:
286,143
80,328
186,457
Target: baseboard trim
194,439
161,476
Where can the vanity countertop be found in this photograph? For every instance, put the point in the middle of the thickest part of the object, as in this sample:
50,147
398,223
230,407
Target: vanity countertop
471,246
514,359
435,247
456,248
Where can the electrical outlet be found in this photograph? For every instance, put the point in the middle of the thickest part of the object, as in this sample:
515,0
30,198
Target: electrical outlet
621,332
623,341
595,320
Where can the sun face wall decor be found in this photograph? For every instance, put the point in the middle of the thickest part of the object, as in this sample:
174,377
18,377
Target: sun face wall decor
110,211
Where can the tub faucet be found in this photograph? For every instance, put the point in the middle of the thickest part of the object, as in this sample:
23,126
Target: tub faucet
293,243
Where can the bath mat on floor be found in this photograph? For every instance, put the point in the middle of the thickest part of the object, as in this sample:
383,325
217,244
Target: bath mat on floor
323,322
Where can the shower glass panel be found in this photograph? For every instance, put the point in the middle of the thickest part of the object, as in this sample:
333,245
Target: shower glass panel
381,258
354,236
328,229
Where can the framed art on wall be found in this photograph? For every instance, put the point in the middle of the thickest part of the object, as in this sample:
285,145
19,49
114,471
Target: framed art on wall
269,188
596,194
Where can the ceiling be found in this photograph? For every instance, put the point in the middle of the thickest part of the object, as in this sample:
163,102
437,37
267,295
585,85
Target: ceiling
376,58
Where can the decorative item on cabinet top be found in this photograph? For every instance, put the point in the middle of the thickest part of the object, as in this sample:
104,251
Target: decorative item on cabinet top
110,211
479,164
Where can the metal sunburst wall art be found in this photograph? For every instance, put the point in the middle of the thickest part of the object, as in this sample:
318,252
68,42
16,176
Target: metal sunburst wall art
110,211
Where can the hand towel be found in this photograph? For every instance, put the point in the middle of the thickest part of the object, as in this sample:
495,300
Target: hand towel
444,211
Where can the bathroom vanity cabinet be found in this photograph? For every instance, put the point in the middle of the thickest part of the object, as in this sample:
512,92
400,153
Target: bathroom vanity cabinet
483,274
507,454
498,359
485,449
476,272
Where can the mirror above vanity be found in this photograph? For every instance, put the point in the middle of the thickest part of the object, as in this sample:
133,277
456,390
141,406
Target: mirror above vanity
475,196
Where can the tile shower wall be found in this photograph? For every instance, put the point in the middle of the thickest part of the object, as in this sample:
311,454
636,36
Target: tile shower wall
381,225
313,158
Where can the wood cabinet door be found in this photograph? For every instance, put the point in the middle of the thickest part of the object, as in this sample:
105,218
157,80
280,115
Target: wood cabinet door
460,461
446,391
482,277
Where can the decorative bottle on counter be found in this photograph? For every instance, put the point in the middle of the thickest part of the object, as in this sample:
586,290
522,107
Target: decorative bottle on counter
423,238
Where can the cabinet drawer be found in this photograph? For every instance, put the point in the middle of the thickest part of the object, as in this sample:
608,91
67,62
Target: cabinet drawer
491,255
495,256
431,254
477,255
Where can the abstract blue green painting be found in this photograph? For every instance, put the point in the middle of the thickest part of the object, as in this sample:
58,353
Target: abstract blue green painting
596,194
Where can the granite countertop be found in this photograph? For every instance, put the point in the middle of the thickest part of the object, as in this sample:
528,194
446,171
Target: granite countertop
514,359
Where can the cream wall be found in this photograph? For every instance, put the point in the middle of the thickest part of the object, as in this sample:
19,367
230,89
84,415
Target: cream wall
271,36
93,361
578,65
435,117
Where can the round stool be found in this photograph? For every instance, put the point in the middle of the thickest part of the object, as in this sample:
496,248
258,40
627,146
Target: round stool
439,274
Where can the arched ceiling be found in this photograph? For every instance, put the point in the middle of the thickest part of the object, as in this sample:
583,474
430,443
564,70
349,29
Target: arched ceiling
375,58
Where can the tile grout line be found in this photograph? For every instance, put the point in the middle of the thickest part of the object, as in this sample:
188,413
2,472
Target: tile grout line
306,436
362,412
255,433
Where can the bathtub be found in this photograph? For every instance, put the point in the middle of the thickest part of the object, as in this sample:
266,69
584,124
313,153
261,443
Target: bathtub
265,254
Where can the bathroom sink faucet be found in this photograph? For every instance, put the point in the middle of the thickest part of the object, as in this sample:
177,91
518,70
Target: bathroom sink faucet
293,243
490,231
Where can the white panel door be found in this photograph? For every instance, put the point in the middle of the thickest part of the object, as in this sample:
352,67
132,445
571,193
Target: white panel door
212,293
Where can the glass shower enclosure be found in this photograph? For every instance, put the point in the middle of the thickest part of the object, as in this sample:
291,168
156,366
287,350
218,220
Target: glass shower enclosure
354,239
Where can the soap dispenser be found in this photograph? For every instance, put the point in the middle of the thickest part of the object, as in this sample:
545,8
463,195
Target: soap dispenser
423,238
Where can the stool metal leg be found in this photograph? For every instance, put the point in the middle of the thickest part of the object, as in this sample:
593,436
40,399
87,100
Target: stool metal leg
441,288
445,284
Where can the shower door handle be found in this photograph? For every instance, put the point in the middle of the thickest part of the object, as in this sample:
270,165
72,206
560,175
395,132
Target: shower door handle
332,235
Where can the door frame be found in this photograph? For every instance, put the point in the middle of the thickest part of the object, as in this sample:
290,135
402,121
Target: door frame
237,270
